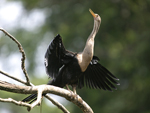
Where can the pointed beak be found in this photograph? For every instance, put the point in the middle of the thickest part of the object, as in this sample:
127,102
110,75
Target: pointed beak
93,14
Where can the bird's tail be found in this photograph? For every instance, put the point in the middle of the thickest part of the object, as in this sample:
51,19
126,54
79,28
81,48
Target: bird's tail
30,98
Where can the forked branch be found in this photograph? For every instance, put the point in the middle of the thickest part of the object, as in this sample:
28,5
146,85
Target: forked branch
76,99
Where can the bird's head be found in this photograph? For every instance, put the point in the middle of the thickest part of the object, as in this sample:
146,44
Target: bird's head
97,20
96,16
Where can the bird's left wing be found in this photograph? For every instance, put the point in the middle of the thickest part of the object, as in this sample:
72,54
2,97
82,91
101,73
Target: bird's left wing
55,57
98,77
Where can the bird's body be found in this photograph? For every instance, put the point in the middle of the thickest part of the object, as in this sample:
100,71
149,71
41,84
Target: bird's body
77,69
67,75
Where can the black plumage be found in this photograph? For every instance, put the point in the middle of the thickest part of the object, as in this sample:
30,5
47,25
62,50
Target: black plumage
63,69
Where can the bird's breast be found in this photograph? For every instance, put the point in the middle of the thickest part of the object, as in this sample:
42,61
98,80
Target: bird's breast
83,61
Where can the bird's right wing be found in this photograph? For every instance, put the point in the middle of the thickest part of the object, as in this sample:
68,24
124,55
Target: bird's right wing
97,76
55,56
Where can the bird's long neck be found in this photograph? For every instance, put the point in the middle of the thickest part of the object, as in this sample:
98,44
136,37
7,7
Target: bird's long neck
89,47
86,56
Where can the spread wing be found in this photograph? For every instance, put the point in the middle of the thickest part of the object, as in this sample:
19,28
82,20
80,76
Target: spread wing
56,56
98,77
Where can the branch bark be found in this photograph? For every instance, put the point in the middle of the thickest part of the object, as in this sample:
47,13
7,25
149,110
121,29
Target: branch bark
76,99
12,77
10,100
23,55
60,106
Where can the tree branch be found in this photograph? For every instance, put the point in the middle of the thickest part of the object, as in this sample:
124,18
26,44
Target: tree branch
12,77
23,55
10,100
76,99
59,105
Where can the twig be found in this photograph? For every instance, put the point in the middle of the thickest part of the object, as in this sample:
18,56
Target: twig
12,77
10,100
60,106
23,55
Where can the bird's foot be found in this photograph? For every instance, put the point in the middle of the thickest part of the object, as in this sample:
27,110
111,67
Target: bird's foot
74,95
69,90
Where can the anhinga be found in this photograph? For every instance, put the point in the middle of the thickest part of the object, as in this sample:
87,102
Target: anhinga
76,69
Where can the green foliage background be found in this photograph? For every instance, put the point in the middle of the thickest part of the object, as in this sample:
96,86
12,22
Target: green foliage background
122,44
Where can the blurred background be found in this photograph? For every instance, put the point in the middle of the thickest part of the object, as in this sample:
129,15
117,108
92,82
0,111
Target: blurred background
122,44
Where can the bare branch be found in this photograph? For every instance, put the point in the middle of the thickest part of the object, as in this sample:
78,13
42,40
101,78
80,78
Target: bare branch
12,77
23,55
60,106
76,99
10,100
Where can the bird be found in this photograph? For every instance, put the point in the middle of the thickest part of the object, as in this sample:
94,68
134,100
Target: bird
76,69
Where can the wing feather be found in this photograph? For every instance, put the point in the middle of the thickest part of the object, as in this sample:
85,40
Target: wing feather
104,78
97,83
100,78
110,76
56,56
97,76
